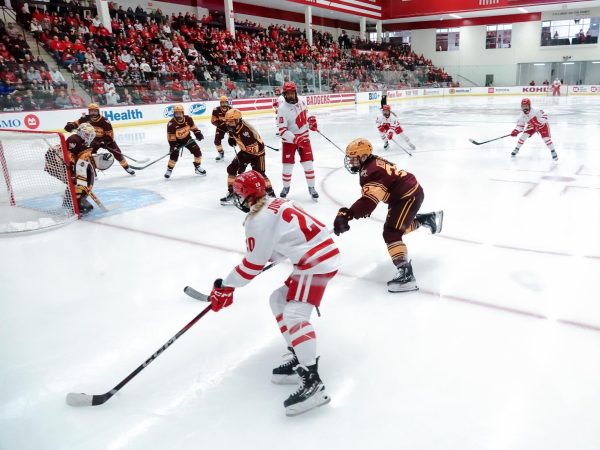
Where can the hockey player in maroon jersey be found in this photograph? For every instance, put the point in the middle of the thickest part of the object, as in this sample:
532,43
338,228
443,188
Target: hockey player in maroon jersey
179,130
104,134
381,181
218,120
279,229
252,152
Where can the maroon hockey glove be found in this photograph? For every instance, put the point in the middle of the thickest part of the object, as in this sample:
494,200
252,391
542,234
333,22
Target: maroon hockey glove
221,296
198,135
312,124
70,126
514,133
340,224
231,141
390,135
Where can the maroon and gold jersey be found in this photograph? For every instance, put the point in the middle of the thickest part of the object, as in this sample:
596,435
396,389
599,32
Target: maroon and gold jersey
76,145
104,130
178,132
248,139
218,117
382,181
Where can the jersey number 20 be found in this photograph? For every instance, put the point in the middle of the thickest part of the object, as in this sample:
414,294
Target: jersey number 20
309,231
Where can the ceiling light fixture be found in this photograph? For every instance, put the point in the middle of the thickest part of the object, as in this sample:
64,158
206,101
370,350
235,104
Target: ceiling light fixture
539,64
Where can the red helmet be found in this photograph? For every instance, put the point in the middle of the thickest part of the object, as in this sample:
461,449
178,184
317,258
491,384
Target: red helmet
526,105
248,188
386,109
278,90
289,86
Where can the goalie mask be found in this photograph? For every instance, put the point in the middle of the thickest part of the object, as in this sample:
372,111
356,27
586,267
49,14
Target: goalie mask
248,188
86,132
357,153
290,93
103,161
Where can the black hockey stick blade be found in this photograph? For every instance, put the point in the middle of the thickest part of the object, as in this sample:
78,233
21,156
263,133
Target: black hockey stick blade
272,148
473,141
188,290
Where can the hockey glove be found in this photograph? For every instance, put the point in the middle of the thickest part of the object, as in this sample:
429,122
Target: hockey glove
390,135
221,296
300,140
383,128
514,133
70,126
312,124
231,141
340,224
198,135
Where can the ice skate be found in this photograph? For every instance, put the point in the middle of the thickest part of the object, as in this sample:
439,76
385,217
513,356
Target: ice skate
227,200
310,394
514,152
386,145
285,373
168,173
129,170
432,220
404,280
313,193
554,155
412,146
220,156
200,170
271,192
284,192
85,207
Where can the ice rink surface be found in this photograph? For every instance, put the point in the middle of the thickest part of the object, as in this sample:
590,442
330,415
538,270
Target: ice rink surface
499,350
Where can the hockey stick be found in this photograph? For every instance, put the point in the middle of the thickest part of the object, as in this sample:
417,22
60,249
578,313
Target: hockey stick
143,160
272,148
398,144
149,164
332,143
75,399
97,200
472,141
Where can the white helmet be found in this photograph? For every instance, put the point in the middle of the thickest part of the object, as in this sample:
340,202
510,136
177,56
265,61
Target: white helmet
86,132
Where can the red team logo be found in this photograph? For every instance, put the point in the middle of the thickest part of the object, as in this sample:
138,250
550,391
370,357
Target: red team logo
31,121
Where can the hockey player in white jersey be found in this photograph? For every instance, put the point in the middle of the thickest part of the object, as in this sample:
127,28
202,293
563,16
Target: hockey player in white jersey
532,121
278,229
293,123
277,100
388,125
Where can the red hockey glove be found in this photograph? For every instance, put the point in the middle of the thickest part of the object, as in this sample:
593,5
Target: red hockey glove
198,135
340,224
300,140
312,124
390,135
398,130
514,132
221,296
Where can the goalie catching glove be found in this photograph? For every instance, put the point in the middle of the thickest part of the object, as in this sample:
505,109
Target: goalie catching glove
340,224
220,296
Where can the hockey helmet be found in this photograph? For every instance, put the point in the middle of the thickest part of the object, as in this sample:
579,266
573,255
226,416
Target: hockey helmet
233,118
357,152
386,110
277,90
94,110
86,132
290,92
526,105
223,101
248,188
178,109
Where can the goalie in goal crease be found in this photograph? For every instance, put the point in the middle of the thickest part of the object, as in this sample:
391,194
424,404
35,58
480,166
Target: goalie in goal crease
81,166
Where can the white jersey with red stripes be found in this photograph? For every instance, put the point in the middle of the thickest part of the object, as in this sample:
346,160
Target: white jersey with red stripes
292,119
536,118
388,123
283,230
277,101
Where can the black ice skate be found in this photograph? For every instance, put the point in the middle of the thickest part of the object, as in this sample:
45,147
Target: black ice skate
271,192
310,394
85,207
313,193
227,200
168,173
220,156
284,192
554,155
386,145
432,220
129,170
404,280
200,170
514,152
285,373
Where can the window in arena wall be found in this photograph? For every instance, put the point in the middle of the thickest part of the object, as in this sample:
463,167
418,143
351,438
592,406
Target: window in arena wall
498,36
400,37
570,31
447,39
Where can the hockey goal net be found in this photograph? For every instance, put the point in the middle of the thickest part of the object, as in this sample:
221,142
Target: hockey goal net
36,189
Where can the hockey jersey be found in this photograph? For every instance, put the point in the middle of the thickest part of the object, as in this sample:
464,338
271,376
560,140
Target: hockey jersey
388,123
178,132
283,230
248,139
292,119
536,119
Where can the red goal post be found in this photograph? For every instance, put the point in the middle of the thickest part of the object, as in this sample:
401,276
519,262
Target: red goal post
36,188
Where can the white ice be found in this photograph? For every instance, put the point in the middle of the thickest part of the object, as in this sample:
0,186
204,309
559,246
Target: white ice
499,350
